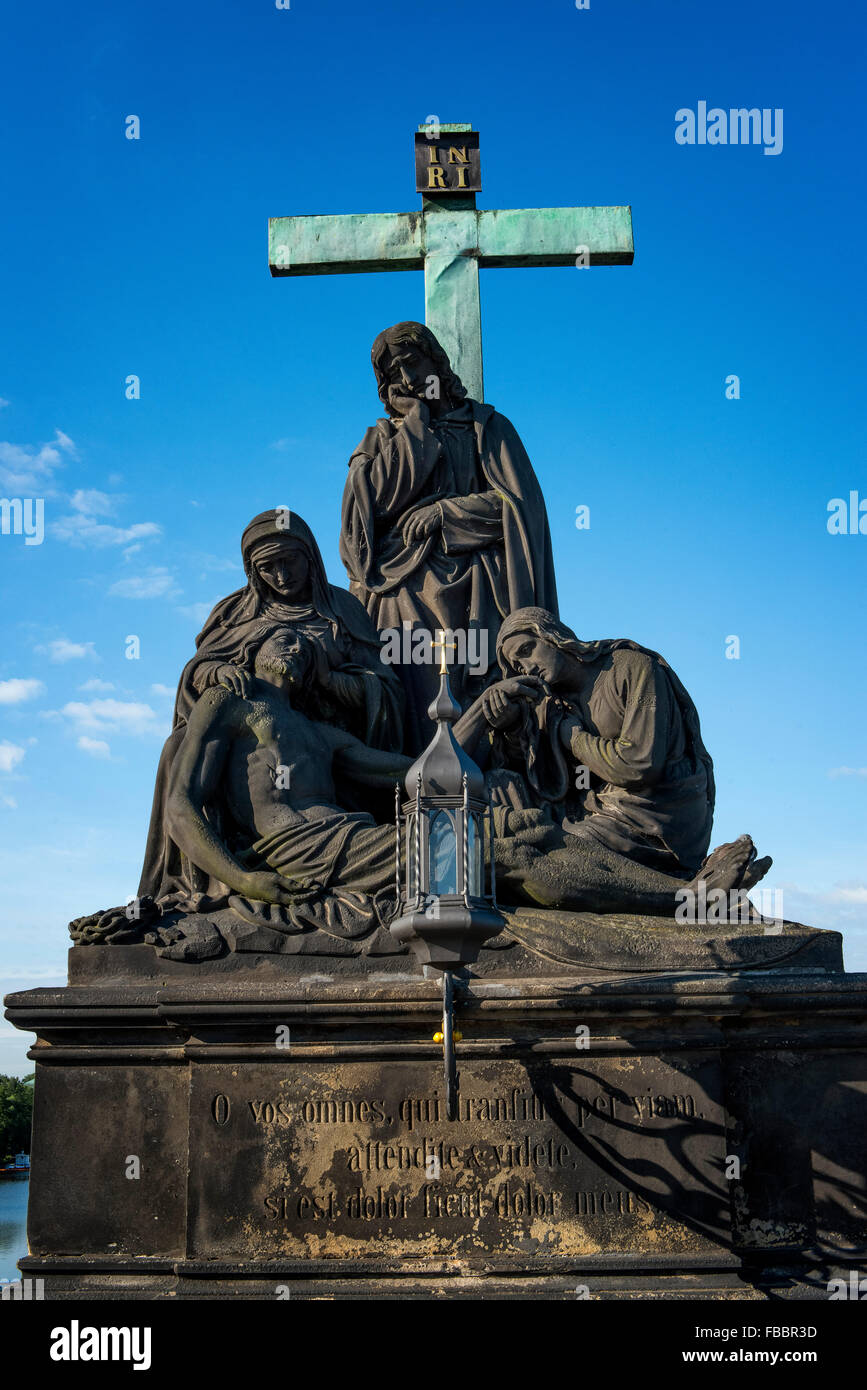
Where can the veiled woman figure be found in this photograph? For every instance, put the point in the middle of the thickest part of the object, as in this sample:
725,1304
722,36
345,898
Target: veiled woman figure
350,687
604,734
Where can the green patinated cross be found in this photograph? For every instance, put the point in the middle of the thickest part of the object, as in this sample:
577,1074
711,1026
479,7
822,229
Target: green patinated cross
450,239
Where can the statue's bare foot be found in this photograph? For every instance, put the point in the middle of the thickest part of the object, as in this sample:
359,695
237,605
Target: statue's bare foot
756,871
732,866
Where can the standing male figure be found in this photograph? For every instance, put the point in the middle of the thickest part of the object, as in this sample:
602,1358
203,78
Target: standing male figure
444,524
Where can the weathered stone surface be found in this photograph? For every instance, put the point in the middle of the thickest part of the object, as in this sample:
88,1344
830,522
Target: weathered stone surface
534,943
88,1122
634,942
325,1163
346,1159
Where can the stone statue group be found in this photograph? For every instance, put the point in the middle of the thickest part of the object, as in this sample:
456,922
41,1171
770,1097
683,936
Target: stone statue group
272,822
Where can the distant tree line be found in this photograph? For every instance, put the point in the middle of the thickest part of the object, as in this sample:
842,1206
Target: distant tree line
16,1116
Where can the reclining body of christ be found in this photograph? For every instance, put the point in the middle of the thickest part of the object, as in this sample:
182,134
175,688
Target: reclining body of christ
255,774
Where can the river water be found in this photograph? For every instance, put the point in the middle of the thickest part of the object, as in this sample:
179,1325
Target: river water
13,1226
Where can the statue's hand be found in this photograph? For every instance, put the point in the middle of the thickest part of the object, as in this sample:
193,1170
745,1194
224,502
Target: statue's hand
234,679
422,523
501,703
343,686
411,408
267,887
570,725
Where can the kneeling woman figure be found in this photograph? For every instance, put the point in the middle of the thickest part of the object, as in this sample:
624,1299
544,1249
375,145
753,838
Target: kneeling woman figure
604,735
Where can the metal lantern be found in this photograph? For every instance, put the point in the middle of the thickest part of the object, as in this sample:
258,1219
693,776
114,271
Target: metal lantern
445,913
446,825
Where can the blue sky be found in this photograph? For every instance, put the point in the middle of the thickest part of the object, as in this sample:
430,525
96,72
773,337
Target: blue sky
149,257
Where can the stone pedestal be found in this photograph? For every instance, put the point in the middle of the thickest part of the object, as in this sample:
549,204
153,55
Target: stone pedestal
648,1135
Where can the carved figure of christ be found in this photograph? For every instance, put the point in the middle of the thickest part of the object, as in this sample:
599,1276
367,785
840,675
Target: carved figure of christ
272,771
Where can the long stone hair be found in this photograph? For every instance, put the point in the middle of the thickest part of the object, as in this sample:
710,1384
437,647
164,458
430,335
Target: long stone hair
544,625
409,331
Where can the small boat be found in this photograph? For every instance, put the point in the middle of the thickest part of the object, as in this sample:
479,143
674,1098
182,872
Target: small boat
17,1171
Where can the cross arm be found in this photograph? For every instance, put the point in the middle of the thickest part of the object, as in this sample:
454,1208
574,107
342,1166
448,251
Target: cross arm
551,236
350,242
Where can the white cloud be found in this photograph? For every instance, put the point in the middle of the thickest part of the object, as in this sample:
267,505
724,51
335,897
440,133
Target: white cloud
841,906
197,611
96,685
12,804
164,690
64,442
96,747
13,692
93,503
854,894
82,529
28,470
210,564
848,772
10,755
58,975
156,582
61,649
114,716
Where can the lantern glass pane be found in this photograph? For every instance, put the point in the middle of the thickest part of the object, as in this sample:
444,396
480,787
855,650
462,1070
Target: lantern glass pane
474,855
443,854
412,887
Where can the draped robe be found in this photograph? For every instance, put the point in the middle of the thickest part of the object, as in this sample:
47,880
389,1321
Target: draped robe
365,696
491,554
651,794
